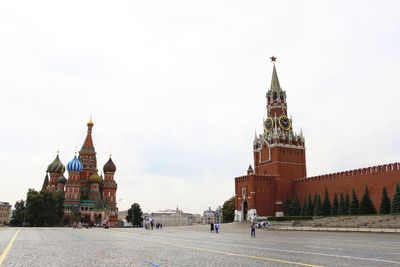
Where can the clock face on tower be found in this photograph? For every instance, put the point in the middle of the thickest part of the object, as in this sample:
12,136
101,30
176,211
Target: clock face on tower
284,122
269,124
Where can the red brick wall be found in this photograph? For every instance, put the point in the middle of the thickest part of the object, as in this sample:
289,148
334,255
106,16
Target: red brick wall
260,193
375,177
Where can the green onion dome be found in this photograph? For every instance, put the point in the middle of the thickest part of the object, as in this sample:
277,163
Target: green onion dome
56,166
61,179
95,178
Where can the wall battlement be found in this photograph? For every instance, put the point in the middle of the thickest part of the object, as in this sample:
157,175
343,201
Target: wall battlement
391,167
257,177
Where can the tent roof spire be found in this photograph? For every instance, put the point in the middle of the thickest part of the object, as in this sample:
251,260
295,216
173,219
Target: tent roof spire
275,86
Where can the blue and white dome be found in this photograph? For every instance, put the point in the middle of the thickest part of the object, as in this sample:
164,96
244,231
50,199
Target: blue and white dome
74,165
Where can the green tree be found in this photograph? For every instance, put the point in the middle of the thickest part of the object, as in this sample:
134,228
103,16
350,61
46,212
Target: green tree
354,204
304,208
85,218
366,205
342,209
335,205
228,210
43,208
310,206
295,208
396,200
286,205
326,204
317,205
17,218
385,202
135,215
60,205
347,203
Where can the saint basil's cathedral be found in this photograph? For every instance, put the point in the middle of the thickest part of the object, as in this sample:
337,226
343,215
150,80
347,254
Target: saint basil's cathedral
280,168
86,193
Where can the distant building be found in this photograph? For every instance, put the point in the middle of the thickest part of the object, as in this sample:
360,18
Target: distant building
212,216
5,209
170,217
196,218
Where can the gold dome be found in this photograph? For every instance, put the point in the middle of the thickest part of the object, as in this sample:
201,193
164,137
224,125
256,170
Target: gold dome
90,123
95,178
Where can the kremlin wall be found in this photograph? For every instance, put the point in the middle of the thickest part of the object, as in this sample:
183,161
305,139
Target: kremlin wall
375,177
280,168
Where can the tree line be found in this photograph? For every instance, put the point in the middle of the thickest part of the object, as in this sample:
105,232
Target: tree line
43,208
342,205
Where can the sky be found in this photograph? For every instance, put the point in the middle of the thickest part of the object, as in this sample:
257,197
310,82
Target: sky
176,90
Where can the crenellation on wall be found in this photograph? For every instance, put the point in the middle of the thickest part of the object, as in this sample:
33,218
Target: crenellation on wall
391,167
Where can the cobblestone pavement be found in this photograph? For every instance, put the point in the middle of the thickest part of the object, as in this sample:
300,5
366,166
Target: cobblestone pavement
196,246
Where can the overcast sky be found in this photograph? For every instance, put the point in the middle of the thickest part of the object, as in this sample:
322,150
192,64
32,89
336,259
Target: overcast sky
177,88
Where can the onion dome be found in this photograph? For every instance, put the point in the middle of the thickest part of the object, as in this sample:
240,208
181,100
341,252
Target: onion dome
74,165
61,179
109,166
56,166
95,178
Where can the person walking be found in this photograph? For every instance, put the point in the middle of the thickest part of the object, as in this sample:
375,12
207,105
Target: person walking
253,230
216,227
212,227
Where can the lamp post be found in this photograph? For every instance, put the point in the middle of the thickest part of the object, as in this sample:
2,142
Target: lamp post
24,215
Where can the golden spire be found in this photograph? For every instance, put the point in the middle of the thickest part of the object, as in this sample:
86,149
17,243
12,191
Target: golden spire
90,123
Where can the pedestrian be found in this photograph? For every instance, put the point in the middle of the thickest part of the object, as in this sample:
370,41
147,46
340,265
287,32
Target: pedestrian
212,227
253,230
152,225
104,223
216,227
160,225
109,224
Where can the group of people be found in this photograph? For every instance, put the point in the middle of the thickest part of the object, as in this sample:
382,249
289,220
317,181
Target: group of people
264,224
79,225
150,225
216,226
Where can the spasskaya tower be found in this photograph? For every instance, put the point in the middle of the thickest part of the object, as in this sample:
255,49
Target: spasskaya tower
279,158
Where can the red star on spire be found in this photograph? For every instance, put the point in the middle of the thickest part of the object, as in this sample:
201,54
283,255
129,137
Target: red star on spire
273,59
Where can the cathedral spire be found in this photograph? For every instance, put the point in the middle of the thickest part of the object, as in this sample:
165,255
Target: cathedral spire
88,144
275,86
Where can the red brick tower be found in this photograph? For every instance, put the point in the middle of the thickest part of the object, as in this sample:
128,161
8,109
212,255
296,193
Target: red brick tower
94,193
279,158
110,189
87,155
72,193
55,169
